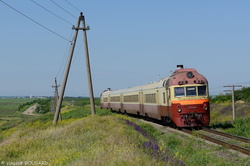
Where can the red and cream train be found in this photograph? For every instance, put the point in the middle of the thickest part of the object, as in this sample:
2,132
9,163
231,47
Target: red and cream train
181,99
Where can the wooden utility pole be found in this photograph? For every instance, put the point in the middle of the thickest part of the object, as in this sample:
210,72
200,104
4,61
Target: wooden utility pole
56,96
91,95
233,89
55,99
59,103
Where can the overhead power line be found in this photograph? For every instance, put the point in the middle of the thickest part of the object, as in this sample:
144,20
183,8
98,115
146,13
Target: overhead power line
34,21
63,9
51,12
63,62
73,6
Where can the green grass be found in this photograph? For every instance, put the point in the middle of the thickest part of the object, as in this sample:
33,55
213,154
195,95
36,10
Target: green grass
85,111
240,127
107,139
96,140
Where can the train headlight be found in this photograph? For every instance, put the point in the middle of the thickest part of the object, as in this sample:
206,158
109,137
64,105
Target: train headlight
205,106
179,110
190,75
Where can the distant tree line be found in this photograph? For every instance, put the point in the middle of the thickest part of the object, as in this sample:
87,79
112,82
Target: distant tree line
243,94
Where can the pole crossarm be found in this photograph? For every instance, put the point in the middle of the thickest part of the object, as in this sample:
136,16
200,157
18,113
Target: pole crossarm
233,86
87,28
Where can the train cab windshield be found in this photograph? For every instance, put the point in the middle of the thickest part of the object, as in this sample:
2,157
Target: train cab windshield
190,91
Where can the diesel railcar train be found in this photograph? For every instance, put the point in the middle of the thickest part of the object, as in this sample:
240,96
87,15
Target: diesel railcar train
180,99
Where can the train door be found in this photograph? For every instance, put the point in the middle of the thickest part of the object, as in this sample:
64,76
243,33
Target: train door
157,102
169,114
108,101
121,101
141,103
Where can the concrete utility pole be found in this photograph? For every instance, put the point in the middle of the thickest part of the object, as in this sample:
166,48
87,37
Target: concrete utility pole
59,103
233,106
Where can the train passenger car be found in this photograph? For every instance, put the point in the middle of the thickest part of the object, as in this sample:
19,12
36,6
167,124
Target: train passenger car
181,99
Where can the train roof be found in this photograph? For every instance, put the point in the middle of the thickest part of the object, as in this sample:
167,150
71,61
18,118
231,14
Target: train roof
153,85
180,76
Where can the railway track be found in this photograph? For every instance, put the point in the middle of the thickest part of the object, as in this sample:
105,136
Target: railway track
214,140
247,140
220,142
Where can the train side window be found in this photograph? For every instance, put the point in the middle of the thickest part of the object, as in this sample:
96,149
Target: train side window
150,98
202,90
179,91
191,91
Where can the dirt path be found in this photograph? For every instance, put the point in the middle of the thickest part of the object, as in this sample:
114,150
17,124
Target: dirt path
30,110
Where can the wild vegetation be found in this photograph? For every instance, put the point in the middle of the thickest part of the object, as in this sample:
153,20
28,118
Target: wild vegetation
43,105
104,139
222,117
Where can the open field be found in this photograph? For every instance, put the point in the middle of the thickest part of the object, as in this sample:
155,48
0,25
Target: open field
9,106
9,115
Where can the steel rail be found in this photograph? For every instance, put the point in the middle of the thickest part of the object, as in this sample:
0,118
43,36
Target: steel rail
247,140
225,144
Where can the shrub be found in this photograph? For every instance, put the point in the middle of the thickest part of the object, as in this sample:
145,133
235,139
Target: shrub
243,94
44,105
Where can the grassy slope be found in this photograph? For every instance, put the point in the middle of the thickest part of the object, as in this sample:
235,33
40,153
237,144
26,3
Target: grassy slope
221,118
105,139
87,141
221,112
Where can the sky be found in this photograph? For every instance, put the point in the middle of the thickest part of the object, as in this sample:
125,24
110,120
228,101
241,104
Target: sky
130,43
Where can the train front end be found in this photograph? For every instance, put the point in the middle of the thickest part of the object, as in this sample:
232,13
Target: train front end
189,98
